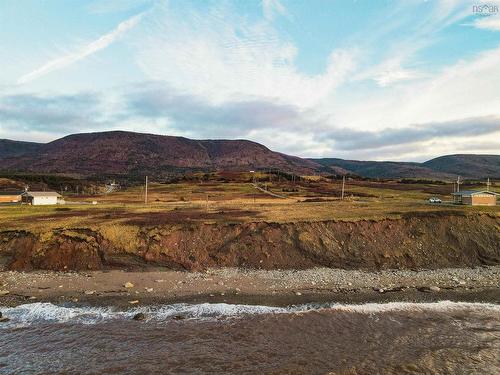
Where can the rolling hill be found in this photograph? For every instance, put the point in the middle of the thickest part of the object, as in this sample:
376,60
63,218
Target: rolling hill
466,165
444,167
9,149
119,152
137,154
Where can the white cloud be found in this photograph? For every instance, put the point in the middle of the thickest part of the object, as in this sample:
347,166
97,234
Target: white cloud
222,57
272,7
491,22
466,89
388,77
87,50
112,6
390,72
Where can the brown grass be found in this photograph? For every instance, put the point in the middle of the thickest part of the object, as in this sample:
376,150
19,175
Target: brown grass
119,215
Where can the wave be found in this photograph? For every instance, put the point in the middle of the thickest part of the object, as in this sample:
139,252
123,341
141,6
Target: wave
33,313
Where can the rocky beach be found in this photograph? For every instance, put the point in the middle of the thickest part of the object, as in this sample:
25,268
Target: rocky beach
231,285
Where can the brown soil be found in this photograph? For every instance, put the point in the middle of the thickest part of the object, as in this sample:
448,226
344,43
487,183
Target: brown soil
423,241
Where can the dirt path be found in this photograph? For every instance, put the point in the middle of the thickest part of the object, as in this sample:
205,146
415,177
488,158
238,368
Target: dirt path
269,192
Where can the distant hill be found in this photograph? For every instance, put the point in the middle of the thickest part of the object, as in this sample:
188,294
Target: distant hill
383,169
119,152
468,166
444,167
136,154
10,148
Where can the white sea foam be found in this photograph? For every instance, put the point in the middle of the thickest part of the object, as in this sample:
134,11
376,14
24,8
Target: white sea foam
442,306
33,313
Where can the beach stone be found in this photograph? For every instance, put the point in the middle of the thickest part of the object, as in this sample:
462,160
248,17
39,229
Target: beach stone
128,284
89,292
298,293
178,317
428,289
149,290
134,302
139,316
3,318
4,292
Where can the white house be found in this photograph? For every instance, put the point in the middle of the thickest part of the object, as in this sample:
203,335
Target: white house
38,198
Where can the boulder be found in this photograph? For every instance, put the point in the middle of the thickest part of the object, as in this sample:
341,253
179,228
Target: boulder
139,316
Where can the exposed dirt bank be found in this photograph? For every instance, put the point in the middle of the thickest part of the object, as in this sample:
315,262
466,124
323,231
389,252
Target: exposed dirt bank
414,241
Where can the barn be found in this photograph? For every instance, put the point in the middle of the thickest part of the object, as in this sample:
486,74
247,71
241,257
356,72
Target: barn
10,196
38,198
475,197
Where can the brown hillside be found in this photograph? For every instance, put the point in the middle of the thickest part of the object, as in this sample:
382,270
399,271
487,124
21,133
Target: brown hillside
119,152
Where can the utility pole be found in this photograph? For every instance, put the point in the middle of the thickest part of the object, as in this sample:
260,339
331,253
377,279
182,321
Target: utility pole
488,184
343,187
146,191
458,184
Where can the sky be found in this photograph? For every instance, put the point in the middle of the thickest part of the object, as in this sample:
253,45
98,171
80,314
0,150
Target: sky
369,80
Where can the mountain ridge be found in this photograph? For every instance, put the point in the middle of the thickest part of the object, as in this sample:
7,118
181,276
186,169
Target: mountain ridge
122,152
449,167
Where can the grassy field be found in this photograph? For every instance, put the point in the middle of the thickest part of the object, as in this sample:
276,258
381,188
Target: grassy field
210,202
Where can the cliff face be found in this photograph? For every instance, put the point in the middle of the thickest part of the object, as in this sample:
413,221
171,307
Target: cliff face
423,241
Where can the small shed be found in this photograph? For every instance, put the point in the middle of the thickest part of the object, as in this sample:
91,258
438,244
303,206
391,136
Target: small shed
475,197
10,196
38,198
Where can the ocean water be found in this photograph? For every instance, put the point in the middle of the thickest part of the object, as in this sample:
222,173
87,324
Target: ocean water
393,338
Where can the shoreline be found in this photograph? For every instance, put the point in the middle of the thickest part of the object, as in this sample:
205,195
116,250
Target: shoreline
253,287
